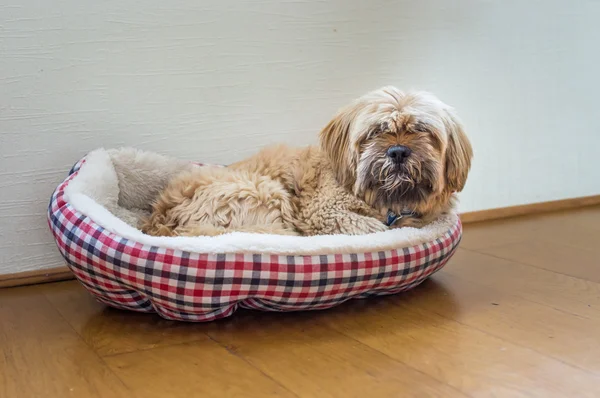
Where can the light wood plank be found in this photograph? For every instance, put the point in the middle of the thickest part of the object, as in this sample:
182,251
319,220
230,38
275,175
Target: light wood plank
563,292
580,228
566,337
199,369
315,361
568,260
109,331
41,356
468,359
572,229
588,217
499,233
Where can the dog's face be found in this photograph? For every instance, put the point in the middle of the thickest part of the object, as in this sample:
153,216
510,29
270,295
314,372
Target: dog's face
393,148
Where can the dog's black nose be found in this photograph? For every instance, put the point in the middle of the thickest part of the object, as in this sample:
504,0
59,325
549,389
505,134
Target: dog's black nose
399,153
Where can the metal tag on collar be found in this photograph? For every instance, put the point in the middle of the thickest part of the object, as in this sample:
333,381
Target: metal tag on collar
408,213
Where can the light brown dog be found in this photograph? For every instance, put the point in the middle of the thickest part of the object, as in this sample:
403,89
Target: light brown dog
389,159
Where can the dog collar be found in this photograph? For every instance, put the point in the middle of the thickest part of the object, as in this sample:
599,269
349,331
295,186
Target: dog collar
392,217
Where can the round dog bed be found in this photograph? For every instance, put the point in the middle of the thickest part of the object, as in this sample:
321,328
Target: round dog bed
94,215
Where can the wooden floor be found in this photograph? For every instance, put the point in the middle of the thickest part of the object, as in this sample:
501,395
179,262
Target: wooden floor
516,313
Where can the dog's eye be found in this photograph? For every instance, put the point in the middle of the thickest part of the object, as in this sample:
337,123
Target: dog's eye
378,129
421,128
372,134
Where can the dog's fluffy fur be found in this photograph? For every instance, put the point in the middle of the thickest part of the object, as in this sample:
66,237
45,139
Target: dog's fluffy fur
344,186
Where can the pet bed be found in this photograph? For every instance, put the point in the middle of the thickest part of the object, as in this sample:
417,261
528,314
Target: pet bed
95,212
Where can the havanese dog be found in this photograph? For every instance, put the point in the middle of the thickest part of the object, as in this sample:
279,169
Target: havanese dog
389,159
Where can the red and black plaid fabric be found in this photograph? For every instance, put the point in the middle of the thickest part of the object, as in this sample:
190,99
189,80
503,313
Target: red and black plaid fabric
191,286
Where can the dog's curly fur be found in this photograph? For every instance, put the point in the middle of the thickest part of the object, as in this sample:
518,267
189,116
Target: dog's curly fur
344,186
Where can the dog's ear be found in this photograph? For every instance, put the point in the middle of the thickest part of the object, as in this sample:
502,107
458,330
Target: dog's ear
335,142
458,153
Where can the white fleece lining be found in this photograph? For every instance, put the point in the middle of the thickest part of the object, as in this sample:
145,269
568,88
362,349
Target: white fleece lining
95,193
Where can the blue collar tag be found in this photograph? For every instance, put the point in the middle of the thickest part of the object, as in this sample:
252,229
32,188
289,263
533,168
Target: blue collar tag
392,217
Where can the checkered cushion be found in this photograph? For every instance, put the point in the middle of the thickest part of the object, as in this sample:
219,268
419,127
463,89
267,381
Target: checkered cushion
189,286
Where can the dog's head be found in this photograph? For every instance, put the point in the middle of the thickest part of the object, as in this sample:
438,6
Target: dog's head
391,148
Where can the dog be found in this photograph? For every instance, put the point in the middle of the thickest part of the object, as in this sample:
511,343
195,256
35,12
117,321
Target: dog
389,159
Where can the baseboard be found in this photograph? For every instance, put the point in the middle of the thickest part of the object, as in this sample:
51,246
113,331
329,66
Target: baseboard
530,209
63,273
36,277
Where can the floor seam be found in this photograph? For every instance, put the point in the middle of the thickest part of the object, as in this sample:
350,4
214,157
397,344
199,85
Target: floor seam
530,265
394,359
242,358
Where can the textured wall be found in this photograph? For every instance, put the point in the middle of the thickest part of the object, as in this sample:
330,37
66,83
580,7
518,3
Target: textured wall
215,80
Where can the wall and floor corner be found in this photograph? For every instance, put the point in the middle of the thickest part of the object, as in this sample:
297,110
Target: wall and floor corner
215,81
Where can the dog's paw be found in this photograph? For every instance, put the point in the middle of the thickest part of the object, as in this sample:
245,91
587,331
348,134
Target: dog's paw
361,225
373,225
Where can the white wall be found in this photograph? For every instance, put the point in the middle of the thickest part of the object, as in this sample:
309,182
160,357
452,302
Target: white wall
215,80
